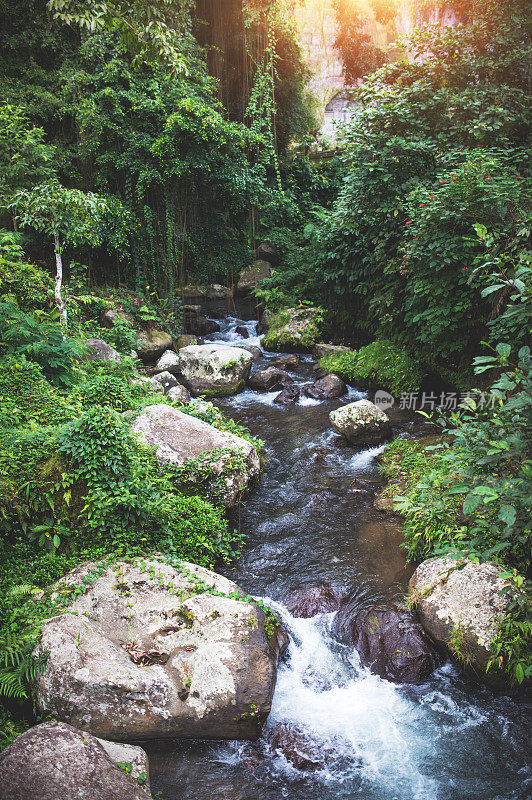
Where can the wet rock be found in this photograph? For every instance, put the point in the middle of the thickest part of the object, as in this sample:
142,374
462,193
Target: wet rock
328,387
269,379
389,640
179,394
311,600
192,308
251,276
168,362
98,350
165,380
362,423
180,437
242,331
296,746
267,251
286,361
150,651
256,352
288,396
460,605
109,318
199,325
55,761
293,329
152,344
323,349
213,369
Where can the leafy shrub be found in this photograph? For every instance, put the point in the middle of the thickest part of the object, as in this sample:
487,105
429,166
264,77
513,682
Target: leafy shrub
23,334
105,390
26,395
381,364
19,280
121,336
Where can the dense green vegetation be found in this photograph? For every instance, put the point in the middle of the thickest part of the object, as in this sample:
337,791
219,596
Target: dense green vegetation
139,164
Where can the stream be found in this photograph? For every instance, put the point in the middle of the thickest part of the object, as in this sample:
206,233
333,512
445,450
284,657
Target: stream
446,739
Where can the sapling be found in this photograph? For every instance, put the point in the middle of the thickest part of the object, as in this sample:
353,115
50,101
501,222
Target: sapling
67,216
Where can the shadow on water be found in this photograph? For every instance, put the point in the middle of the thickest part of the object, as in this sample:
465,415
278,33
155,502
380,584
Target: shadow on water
310,521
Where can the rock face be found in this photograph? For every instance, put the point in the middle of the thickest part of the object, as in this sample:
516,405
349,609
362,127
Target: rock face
361,423
178,394
54,761
215,291
323,349
293,329
328,387
242,331
152,653
199,325
180,437
267,251
458,603
131,758
213,369
250,276
265,320
152,344
311,600
389,640
168,362
269,379
166,381
98,350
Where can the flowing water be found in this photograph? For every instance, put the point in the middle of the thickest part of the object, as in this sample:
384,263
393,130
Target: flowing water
447,739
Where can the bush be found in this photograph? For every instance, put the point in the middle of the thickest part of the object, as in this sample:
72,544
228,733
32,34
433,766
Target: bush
26,395
379,365
104,390
21,281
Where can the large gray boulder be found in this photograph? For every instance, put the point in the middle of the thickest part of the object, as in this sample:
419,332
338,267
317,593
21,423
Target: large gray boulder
55,761
460,606
214,369
251,276
98,350
362,423
180,437
150,651
152,344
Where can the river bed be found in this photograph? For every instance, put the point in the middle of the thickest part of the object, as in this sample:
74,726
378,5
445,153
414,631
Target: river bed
446,739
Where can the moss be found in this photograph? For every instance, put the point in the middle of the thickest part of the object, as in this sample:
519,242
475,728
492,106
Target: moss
293,329
379,365
226,392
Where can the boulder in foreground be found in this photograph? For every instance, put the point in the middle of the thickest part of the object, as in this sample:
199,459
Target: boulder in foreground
150,651
460,606
180,437
54,761
213,369
362,423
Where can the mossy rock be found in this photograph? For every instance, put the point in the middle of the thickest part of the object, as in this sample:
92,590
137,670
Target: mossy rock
293,329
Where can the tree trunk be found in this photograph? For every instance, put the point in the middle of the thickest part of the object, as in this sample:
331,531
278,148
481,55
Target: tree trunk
60,303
